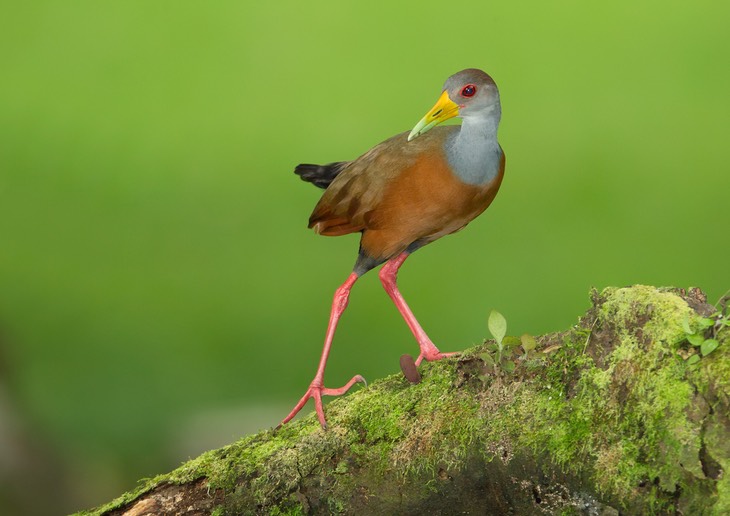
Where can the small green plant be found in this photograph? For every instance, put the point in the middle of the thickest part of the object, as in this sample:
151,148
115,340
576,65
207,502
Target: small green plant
704,336
528,346
500,356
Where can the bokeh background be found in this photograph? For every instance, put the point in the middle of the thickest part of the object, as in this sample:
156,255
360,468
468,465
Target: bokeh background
160,293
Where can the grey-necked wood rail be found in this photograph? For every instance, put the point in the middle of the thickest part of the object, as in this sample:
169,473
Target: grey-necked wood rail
405,193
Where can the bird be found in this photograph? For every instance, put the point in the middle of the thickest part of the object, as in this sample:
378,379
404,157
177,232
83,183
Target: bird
405,193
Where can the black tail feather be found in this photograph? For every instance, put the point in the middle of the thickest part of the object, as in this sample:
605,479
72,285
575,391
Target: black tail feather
320,175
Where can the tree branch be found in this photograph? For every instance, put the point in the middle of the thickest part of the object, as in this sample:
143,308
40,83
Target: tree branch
609,416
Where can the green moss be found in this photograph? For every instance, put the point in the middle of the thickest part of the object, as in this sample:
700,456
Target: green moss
665,309
409,428
293,511
714,370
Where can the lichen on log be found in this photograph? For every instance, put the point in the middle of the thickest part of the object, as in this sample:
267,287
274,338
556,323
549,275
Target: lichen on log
612,418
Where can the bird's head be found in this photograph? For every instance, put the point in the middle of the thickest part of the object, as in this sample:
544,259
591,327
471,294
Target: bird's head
470,93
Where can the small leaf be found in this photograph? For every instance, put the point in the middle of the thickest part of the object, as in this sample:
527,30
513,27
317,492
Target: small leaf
706,322
487,358
508,366
695,340
709,346
528,342
685,326
511,342
497,325
492,347
693,359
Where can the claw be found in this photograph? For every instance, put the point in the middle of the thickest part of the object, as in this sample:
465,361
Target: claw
342,390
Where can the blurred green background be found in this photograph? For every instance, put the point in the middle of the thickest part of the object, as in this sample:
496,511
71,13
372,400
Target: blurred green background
160,293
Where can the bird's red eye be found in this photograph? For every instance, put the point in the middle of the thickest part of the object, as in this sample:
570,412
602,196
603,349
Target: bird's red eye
469,90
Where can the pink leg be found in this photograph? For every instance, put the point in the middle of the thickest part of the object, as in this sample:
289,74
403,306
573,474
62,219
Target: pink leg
317,388
388,274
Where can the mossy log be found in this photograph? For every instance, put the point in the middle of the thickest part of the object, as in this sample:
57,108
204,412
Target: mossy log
610,417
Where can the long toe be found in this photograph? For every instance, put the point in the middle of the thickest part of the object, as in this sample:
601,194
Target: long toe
432,357
342,390
300,404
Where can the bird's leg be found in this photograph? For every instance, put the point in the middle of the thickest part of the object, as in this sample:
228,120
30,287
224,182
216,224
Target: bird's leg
317,388
388,274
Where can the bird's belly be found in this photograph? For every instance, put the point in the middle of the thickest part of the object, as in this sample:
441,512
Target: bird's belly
455,218
424,225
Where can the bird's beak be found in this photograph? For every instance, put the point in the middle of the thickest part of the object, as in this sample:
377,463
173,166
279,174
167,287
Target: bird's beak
444,109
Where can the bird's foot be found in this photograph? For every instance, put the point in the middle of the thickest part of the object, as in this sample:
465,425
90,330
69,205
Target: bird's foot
316,391
432,356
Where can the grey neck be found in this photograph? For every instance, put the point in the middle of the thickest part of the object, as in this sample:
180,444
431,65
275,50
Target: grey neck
473,151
